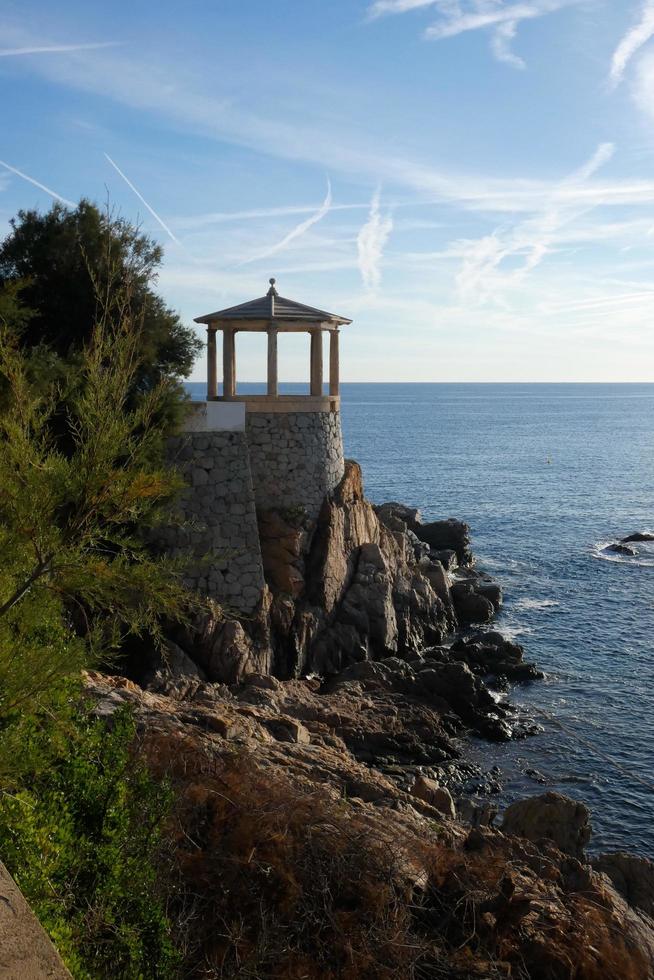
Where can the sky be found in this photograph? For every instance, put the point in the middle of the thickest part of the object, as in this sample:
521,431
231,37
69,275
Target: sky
470,181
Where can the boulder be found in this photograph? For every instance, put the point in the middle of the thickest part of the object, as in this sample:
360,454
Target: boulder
447,557
491,591
435,795
393,512
439,580
470,606
632,877
449,534
550,816
620,548
288,730
176,663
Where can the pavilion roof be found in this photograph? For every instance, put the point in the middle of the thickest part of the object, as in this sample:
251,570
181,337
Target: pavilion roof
272,306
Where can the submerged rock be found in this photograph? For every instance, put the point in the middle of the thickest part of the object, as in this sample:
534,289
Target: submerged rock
620,548
639,536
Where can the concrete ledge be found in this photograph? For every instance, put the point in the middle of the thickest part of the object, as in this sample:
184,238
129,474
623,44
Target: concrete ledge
26,952
216,416
282,403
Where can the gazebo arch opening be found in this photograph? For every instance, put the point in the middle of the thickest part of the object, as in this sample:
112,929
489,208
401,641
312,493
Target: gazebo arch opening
293,359
251,361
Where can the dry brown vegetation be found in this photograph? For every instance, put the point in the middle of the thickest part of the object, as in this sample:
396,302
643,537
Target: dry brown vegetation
276,881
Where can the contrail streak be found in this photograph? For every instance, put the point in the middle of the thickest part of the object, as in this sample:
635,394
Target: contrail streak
296,232
56,48
143,201
31,180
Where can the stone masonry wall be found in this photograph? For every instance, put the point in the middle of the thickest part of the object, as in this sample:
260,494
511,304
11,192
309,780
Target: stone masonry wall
219,502
296,458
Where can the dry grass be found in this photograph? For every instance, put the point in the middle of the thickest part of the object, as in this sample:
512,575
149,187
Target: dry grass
275,882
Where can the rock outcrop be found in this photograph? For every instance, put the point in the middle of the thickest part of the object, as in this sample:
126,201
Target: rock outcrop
277,818
361,583
553,817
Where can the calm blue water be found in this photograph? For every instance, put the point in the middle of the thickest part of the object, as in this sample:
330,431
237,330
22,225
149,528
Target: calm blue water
544,474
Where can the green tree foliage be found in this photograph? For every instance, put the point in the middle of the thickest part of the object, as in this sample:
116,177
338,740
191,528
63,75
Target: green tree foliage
72,524
81,484
68,262
83,838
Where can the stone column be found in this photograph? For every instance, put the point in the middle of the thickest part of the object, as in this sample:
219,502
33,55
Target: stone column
212,364
272,360
229,363
316,362
334,367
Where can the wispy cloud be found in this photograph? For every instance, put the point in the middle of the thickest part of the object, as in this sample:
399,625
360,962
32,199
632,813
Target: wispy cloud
56,48
501,44
150,88
296,232
255,214
481,278
461,16
371,242
36,183
382,8
154,214
633,40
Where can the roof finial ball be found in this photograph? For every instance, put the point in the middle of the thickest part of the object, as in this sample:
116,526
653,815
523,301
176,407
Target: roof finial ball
272,291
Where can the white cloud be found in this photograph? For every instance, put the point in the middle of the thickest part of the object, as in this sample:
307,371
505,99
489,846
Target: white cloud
382,8
154,214
643,87
501,44
460,16
36,183
481,277
296,232
185,104
633,40
56,48
371,242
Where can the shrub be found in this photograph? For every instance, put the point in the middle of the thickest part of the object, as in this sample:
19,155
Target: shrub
84,840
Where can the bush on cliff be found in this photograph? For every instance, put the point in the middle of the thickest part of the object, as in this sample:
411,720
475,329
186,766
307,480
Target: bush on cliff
83,838
77,573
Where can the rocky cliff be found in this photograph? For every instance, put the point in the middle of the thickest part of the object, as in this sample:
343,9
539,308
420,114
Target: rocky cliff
360,584
294,858
316,749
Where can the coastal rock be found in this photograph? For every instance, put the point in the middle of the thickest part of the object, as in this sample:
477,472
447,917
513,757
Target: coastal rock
550,816
393,512
434,794
632,877
469,604
259,807
620,548
491,653
449,534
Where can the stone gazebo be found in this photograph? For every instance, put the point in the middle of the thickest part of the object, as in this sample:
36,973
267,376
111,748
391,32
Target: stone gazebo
272,314
253,463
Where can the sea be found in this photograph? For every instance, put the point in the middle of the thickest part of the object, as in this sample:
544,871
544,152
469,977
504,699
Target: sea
546,475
